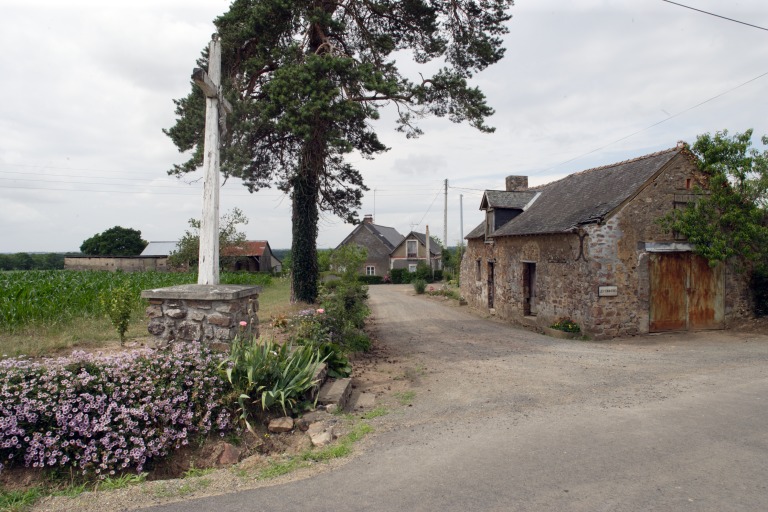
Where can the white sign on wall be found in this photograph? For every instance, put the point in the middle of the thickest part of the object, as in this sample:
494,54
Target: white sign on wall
607,291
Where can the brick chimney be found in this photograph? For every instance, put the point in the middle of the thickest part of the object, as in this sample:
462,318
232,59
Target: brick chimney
516,183
368,219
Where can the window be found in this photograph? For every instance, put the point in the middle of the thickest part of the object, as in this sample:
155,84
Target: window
478,270
370,270
411,248
411,267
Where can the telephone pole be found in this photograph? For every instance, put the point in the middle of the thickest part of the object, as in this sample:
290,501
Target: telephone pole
445,217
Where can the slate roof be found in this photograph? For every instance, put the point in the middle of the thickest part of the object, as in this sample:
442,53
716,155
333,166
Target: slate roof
435,248
582,198
159,248
503,199
390,237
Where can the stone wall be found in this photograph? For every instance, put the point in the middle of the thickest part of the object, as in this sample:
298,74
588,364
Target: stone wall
572,267
210,314
112,263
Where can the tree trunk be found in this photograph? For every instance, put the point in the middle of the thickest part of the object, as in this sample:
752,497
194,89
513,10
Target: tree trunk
306,190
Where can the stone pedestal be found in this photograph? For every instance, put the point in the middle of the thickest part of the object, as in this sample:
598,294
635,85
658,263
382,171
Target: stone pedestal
209,314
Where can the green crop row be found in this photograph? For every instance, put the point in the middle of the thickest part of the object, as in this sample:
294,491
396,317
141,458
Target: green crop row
59,296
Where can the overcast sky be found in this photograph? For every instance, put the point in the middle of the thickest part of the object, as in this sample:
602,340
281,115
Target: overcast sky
87,87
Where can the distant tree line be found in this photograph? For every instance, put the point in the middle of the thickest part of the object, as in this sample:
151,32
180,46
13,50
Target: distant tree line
26,261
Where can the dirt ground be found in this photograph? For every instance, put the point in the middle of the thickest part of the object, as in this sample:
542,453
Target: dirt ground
435,363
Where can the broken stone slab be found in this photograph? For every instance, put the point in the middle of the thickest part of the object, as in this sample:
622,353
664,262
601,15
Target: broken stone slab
284,424
319,377
320,433
335,392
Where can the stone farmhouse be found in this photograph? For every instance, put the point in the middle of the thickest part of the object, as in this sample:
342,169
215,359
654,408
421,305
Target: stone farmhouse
388,249
589,247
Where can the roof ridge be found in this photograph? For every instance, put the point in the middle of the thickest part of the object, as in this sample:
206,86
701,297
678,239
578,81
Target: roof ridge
615,164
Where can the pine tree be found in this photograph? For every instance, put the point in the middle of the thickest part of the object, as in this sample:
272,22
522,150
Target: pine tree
305,77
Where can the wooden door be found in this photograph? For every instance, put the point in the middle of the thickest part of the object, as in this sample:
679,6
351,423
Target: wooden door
686,293
490,285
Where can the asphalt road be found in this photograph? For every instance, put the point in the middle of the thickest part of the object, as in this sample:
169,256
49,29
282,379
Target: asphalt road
504,419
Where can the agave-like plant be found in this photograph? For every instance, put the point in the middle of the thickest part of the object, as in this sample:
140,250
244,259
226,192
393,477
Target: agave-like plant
268,373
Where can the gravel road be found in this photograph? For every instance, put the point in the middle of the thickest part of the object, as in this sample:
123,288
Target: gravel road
489,417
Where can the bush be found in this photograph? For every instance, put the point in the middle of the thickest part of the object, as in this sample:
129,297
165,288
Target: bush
419,285
370,279
118,304
400,276
566,325
105,414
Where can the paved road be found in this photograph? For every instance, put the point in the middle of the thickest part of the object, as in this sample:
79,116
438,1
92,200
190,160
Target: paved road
505,419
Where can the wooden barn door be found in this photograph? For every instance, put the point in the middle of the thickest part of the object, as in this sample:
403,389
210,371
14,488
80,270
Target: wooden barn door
686,293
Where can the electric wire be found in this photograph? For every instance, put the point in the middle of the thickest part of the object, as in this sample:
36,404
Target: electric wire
715,15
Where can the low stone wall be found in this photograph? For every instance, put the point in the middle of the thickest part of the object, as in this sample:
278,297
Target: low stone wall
113,263
209,314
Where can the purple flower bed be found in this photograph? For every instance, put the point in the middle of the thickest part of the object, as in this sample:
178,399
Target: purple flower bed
104,414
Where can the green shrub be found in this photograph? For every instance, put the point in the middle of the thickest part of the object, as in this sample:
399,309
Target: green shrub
419,285
118,304
400,276
566,325
371,279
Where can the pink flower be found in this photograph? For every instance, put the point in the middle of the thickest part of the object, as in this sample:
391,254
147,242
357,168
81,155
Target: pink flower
243,323
320,311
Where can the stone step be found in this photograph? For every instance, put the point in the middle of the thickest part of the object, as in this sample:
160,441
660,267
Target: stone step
335,392
321,374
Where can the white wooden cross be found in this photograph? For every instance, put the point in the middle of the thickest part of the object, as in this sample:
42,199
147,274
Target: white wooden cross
210,83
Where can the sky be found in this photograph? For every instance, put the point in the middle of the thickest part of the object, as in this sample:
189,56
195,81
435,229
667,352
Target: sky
88,86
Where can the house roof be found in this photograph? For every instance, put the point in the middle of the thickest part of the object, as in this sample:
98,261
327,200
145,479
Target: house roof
160,248
247,248
435,248
390,237
503,199
582,198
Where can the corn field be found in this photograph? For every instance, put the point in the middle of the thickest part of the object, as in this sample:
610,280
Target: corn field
60,296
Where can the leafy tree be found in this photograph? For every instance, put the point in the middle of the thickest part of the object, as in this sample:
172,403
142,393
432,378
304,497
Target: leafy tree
307,77
729,219
116,241
188,251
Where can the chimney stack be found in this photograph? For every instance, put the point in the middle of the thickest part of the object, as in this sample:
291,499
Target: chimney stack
516,183
368,219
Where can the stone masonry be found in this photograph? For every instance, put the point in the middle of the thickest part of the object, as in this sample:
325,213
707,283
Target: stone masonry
209,314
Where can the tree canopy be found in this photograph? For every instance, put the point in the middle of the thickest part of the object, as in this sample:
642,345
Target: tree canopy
116,241
306,78
729,219
188,249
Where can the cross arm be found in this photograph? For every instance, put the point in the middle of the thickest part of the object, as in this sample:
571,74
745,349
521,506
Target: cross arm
210,90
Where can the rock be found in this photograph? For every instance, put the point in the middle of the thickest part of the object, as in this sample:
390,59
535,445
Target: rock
284,424
220,320
155,311
320,434
175,313
230,454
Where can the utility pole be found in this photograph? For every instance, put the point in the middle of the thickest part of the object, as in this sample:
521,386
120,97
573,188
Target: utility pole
445,217
461,217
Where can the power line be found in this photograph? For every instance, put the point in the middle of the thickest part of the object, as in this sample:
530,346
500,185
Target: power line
715,15
653,125
430,207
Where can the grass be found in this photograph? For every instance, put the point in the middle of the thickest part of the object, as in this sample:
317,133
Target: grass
340,449
375,413
92,332
119,482
17,501
405,397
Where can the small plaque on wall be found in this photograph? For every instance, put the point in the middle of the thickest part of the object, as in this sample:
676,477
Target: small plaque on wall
607,291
